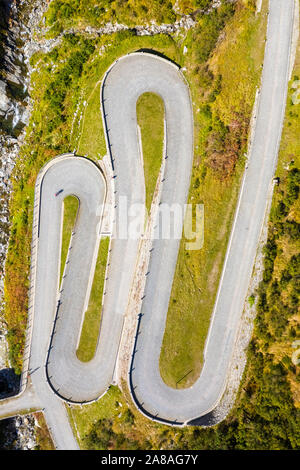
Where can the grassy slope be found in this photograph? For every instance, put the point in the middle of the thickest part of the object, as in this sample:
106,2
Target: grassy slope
150,118
65,14
92,126
70,212
91,324
42,434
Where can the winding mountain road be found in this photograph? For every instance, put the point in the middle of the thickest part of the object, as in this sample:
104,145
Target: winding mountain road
56,311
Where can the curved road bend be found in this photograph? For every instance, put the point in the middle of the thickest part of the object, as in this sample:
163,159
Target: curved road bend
57,314
126,80
151,394
70,378
59,364
53,339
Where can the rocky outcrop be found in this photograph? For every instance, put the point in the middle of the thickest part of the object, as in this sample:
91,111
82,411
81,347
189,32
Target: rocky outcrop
13,71
18,20
18,433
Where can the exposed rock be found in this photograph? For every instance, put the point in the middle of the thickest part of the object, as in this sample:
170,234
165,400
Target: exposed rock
5,103
19,19
25,426
18,433
186,22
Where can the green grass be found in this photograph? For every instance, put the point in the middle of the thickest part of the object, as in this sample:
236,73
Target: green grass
150,118
66,14
251,424
94,147
118,425
82,418
70,207
90,328
42,434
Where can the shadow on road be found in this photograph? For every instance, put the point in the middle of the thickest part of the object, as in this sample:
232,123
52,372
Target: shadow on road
159,54
210,419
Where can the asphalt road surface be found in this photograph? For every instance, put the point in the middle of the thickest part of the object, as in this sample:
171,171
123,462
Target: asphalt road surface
59,310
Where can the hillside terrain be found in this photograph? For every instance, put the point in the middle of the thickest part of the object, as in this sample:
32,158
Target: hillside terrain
219,47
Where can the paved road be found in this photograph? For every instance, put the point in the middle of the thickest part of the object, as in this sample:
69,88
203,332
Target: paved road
124,83
151,394
58,311
57,315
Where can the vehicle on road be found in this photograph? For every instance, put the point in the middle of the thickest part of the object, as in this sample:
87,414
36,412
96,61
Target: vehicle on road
58,192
